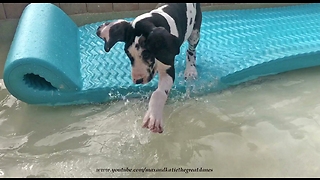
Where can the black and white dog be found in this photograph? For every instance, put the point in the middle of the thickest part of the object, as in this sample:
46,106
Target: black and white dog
152,40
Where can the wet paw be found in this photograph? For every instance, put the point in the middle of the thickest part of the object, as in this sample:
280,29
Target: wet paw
153,121
190,73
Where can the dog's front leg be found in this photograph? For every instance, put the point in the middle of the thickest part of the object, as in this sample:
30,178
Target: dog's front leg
153,118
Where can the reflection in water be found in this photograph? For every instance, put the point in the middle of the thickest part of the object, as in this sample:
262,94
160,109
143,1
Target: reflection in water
266,127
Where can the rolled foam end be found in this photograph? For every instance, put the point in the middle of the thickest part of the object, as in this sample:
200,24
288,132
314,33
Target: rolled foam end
44,55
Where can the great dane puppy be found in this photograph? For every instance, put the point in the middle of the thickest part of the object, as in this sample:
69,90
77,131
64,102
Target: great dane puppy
152,40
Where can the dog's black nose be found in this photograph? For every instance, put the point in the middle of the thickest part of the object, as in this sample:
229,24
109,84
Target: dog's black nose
139,81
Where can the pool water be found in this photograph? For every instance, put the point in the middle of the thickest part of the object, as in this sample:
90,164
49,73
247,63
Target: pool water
263,128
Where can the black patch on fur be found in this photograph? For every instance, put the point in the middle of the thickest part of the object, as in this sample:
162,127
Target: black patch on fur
137,46
163,45
129,56
151,75
146,55
139,81
152,72
171,72
190,53
178,11
146,25
98,31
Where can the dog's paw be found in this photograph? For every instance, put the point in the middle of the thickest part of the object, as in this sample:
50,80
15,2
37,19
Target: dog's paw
153,121
190,73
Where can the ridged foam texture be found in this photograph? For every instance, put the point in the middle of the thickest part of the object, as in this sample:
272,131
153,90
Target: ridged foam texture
52,62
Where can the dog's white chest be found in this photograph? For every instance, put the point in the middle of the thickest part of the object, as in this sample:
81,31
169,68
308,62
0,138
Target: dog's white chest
191,16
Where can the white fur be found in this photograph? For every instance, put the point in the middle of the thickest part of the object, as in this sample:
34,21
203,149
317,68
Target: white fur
191,71
194,38
191,16
153,118
139,69
139,18
170,20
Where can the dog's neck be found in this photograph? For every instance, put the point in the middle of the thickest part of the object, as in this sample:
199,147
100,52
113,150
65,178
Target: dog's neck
144,28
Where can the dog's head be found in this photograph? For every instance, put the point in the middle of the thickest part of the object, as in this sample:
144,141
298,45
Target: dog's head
143,49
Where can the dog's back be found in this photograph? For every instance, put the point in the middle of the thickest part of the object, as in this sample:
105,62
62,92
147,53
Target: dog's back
177,18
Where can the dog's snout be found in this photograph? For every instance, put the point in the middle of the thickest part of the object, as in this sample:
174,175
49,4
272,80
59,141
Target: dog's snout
139,81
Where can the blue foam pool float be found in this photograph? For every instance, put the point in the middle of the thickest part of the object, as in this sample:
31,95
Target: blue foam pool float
53,62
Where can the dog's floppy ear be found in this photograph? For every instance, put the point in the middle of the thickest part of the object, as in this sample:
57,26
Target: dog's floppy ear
162,43
113,32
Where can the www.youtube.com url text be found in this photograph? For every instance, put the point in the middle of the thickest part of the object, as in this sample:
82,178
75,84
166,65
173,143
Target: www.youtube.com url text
144,169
